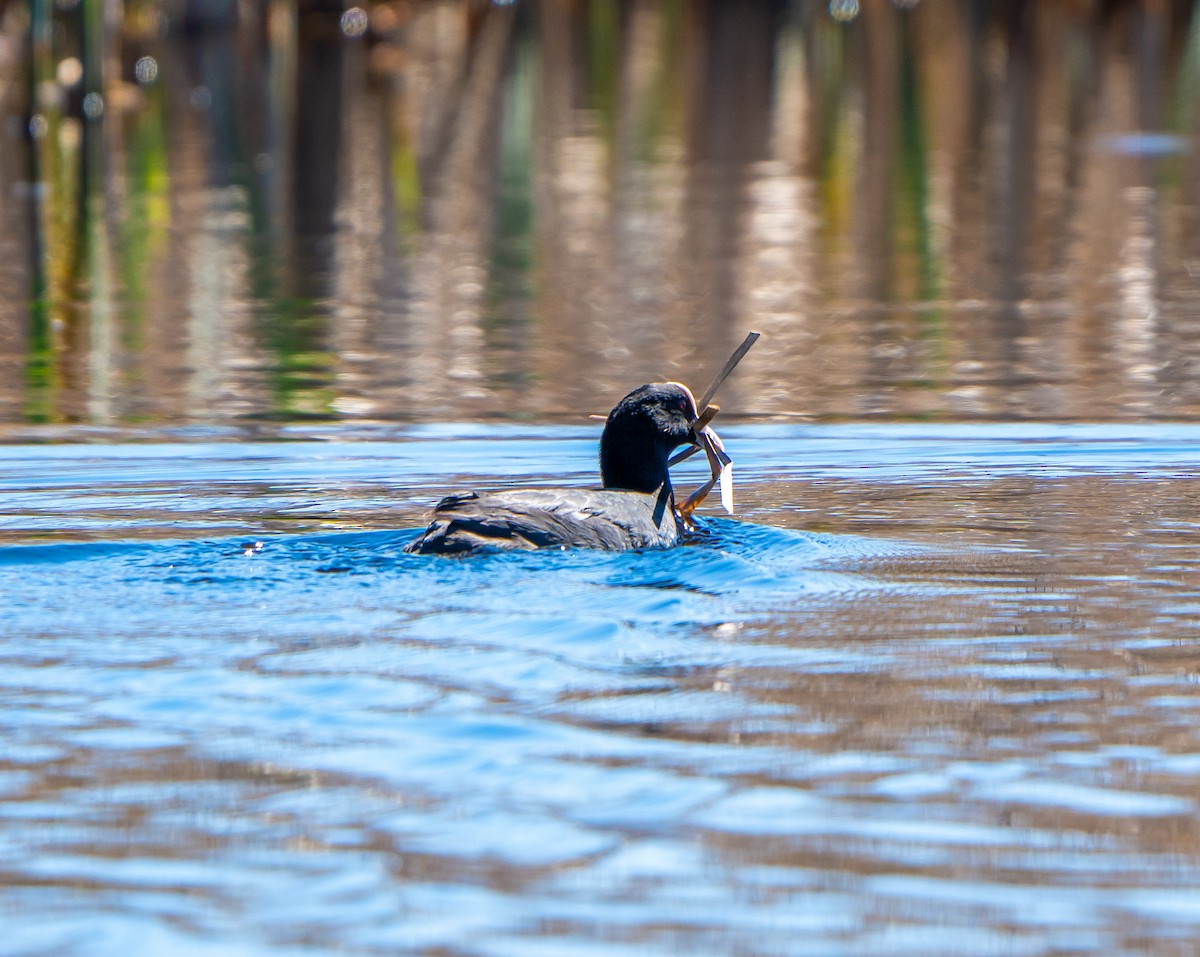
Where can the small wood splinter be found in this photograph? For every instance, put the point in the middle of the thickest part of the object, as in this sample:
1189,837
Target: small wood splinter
719,463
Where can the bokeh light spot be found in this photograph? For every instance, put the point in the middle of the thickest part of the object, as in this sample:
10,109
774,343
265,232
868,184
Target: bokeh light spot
69,71
145,71
93,106
355,22
843,10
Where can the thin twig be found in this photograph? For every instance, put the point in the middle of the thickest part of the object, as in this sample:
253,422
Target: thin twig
729,366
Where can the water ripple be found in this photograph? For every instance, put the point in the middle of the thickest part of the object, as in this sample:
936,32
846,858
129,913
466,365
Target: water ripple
894,732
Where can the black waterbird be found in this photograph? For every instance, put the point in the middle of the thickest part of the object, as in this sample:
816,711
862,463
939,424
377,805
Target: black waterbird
634,509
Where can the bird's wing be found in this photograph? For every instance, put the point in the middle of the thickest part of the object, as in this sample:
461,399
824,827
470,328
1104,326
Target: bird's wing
545,518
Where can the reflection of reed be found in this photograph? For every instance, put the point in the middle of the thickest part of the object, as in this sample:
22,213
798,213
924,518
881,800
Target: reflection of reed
361,218
225,380
450,265
15,237
572,206
930,209
777,288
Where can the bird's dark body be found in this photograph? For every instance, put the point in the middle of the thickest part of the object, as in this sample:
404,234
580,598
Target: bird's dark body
634,509
529,518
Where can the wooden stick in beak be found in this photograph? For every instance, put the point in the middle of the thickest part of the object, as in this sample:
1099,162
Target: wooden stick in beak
719,463
738,354
700,425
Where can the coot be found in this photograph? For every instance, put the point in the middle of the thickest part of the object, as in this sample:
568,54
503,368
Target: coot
634,509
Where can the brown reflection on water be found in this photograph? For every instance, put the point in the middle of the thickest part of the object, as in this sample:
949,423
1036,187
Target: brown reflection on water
1076,562
989,725
936,209
1067,658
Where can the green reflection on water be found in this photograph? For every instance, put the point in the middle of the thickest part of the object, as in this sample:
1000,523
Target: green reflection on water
624,171
604,44
510,288
302,370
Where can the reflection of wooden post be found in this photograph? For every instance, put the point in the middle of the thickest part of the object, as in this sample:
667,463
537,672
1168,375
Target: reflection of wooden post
731,59
648,328
18,240
1139,323
15,340
572,201
1116,263
778,249
451,266
280,119
102,339
1189,123
877,58
225,370
318,141
1018,180
360,255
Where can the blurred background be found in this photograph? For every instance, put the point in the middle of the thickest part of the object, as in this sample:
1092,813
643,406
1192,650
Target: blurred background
225,211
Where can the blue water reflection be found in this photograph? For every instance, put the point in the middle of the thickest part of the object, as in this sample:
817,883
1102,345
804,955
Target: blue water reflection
933,691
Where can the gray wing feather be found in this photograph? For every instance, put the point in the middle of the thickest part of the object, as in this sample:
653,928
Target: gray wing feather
532,518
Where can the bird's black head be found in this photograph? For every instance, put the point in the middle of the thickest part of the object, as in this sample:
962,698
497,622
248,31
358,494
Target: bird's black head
641,433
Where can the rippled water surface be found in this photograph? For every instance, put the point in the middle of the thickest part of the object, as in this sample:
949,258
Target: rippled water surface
468,210
933,692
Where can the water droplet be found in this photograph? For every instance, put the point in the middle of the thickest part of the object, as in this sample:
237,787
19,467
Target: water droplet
843,10
355,22
145,71
201,98
93,106
38,127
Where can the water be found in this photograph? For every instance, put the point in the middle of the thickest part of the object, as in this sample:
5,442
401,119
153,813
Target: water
933,691
933,209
